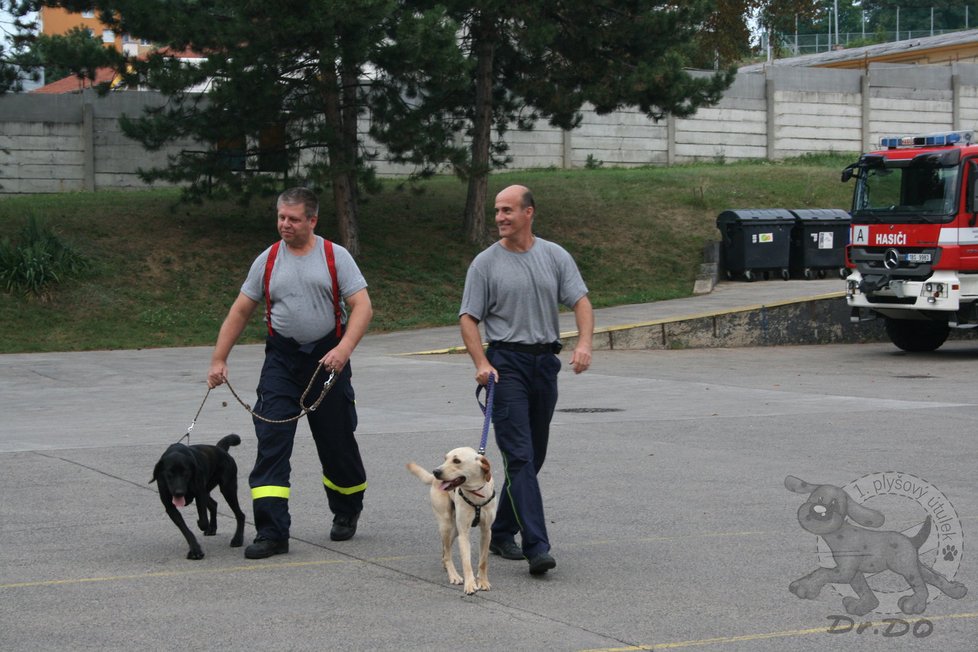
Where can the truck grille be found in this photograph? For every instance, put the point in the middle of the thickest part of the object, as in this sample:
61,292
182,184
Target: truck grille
874,260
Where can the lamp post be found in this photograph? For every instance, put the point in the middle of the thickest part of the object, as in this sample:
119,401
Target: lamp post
836,4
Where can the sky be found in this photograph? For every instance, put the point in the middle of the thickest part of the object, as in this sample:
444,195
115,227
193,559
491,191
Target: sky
6,27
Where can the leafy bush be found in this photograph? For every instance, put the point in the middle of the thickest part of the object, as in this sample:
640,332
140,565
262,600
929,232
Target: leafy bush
37,261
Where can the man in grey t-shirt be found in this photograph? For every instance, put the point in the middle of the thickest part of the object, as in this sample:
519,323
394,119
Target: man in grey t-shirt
515,288
316,319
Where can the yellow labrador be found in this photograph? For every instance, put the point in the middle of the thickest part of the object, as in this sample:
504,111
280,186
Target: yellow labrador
462,496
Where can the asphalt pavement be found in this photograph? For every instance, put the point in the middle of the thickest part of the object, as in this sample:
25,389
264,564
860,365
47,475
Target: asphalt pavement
664,488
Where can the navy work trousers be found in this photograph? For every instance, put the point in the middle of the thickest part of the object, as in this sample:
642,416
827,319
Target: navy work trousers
524,399
285,375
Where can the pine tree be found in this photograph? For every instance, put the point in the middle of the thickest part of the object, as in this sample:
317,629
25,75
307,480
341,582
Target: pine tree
546,59
287,85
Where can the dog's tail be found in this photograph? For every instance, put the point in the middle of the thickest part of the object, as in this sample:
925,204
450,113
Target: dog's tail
918,539
423,474
228,441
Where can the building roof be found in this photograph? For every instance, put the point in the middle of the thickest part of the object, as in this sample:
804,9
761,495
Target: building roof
943,48
72,84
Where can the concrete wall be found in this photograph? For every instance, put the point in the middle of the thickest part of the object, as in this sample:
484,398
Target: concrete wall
73,142
61,143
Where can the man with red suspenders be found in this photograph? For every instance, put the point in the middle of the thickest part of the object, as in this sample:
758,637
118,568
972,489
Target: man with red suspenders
305,283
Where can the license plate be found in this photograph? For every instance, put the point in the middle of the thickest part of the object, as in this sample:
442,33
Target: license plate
918,258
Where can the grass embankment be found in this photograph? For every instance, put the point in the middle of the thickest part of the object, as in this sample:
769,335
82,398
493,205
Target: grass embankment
165,274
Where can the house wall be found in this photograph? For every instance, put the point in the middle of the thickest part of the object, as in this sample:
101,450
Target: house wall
73,142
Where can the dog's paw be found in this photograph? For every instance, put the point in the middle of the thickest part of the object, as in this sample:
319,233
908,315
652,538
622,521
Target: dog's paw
237,541
210,532
950,552
195,553
857,607
483,584
454,578
912,604
956,590
470,588
804,590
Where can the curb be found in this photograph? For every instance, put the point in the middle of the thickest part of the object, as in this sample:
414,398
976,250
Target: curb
819,319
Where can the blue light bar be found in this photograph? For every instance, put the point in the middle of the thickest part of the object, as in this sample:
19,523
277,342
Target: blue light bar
942,138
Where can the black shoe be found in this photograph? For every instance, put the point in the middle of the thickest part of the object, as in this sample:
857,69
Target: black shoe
263,548
344,527
541,563
506,549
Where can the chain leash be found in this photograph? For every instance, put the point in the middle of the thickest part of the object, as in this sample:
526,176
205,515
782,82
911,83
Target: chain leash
327,385
193,423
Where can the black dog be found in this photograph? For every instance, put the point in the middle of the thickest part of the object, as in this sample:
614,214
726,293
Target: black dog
187,472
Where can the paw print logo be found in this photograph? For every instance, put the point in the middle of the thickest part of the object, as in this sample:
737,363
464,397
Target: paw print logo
950,552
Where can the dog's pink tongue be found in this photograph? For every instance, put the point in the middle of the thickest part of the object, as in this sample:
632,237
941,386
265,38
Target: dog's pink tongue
445,486
179,501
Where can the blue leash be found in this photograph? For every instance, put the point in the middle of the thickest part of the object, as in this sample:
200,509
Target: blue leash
486,410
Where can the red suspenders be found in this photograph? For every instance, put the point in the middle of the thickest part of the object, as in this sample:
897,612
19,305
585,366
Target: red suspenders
330,263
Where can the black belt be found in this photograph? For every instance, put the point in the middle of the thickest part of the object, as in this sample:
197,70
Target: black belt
533,349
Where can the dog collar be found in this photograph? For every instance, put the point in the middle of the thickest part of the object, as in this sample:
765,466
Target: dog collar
478,508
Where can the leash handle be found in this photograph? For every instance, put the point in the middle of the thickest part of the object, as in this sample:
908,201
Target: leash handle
490,387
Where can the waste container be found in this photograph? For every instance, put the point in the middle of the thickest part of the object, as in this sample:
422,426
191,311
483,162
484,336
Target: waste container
756,241
818,242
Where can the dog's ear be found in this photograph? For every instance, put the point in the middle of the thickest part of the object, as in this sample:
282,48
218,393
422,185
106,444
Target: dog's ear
486,472
798,485
865,516
156,471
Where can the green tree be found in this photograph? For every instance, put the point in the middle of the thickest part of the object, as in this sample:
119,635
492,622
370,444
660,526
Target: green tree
16,64
76,53
916,16
288,85
546,59
788,16
724,38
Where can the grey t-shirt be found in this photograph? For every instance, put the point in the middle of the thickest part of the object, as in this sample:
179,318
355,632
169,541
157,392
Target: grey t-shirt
302,290
517,295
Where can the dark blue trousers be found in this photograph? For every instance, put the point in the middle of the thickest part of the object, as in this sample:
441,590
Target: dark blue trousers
284,377
523,404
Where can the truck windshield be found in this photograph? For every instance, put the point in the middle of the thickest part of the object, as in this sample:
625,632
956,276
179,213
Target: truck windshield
906,191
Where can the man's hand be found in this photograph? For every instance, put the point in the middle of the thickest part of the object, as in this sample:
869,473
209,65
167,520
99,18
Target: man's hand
335,359
581,360
482,374
217,375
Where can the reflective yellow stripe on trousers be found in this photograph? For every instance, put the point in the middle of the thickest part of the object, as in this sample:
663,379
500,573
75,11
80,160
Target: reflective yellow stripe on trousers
269,492
346,491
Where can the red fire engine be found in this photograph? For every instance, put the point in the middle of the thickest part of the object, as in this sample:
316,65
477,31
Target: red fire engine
913,244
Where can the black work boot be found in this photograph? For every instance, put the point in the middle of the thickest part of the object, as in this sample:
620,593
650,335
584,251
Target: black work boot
344,527
263,548
506,549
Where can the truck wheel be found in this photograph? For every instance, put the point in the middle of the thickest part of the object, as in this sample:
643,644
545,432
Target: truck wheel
809,274
748,275
917,335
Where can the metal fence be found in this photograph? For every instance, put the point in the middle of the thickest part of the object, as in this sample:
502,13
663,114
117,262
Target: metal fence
799,44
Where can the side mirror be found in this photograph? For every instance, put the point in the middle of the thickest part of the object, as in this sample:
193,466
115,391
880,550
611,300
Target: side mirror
849,172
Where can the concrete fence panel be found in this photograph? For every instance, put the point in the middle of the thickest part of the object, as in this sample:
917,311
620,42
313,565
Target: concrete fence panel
58,143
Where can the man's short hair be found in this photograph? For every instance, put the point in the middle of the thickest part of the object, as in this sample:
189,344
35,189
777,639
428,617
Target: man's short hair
528,200
303,196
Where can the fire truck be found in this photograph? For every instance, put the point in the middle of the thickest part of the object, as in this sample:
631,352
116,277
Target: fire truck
913,246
